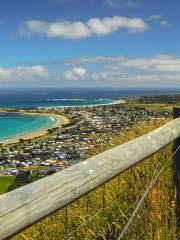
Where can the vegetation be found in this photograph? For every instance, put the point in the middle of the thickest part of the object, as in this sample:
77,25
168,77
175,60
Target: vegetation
5,183
103,213
165,98
156,107
22,179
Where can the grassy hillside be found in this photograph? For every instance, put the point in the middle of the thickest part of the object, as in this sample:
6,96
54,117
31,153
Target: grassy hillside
156,107
5,182
103,213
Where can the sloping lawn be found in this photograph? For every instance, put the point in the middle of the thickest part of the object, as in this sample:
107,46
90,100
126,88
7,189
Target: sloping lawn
5,182
156,107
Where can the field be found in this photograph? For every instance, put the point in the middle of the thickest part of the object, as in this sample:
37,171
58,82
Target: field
5,182
156,107
103,213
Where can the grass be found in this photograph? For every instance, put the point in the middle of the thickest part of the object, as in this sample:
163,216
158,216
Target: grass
5,182
156,107
103,213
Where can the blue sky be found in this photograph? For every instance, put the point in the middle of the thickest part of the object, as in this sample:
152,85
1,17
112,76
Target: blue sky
92,43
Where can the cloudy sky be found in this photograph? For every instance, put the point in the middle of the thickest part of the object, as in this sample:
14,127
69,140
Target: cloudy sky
89,43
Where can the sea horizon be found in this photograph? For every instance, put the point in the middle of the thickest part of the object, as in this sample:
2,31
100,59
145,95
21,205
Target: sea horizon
50,97
13,126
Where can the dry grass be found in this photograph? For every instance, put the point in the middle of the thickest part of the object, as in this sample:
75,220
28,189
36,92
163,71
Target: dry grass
103,213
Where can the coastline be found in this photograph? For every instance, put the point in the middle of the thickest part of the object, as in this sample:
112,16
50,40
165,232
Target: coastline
60,120
114,102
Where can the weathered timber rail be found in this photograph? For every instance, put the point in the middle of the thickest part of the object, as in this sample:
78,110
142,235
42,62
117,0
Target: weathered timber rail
27,205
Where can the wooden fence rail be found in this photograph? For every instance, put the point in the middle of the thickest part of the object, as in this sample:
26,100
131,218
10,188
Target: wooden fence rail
27,205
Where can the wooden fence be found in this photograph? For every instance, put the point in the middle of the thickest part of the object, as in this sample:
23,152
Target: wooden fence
27,205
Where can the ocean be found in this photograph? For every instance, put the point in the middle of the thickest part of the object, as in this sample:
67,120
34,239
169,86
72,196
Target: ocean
17,125
12,126
24,98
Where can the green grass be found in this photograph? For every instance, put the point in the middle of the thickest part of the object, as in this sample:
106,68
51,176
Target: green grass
5,182
156,107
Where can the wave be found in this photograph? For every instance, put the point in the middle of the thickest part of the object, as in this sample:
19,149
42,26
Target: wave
66,99
52,119
103,99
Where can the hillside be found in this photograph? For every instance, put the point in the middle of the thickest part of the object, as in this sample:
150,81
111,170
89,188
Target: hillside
104,212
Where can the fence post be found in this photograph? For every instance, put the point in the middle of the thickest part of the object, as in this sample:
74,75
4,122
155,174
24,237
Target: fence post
176,114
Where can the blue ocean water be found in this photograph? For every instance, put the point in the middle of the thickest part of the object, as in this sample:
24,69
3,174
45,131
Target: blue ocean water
12,126
22,98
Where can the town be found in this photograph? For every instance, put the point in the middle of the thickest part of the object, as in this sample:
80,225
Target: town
63,147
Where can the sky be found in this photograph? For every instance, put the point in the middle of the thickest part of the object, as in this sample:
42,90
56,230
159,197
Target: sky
89,43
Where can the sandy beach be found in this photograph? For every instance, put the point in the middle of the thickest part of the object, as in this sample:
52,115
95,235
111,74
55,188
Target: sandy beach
60,120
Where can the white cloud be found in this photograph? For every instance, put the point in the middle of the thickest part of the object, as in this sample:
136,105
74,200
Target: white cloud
75,74
79,29
136,77
108,25
159,68
163,68
158,18
165,23
68,30
158,63
23,73
87,60
155,17
122,3
33,26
